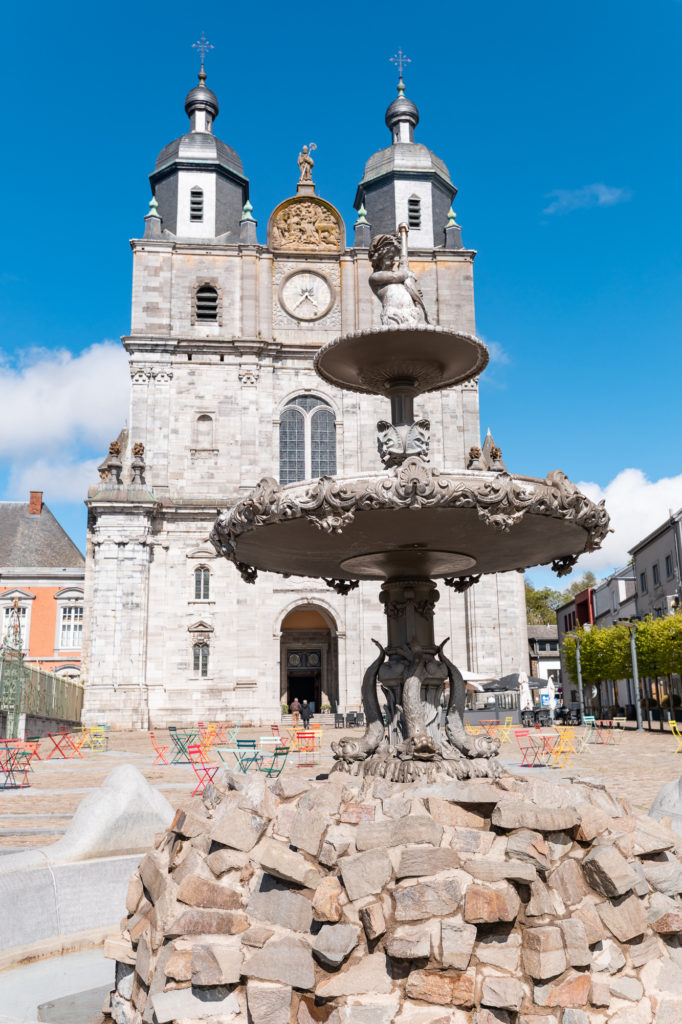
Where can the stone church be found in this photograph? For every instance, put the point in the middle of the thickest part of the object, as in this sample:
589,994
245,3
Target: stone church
223,392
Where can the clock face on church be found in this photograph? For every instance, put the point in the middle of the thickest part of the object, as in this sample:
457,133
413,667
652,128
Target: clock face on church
306,295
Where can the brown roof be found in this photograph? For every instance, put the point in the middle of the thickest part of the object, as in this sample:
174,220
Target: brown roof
542,632
34,541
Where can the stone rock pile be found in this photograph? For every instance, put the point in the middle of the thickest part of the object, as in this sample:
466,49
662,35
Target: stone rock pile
517,901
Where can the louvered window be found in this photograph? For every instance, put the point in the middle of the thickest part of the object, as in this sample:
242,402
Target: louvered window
207,303
414,212
307,439
196,204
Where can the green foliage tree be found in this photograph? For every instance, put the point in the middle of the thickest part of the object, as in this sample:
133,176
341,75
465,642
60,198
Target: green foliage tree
605,653
541,604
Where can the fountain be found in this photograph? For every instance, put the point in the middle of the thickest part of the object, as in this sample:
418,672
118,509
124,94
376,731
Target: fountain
406,525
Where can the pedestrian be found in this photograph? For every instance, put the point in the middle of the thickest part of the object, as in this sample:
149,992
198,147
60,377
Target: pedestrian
306,713
295,709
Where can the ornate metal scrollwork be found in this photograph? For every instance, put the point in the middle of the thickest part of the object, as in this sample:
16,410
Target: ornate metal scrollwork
563,566
461,583
342,587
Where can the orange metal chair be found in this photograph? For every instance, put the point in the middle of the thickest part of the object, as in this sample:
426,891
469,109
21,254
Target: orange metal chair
160,751
308,750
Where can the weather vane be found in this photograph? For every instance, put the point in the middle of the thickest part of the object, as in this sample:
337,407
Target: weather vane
400,59
203,46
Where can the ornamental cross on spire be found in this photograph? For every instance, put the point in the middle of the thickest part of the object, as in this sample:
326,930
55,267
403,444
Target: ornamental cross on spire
400,59
203,46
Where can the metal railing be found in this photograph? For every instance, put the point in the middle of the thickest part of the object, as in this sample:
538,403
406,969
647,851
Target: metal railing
28,690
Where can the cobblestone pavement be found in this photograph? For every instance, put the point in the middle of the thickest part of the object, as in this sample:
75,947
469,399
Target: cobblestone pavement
635,768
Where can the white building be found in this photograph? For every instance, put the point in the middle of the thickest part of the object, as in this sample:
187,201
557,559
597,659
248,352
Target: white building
223,393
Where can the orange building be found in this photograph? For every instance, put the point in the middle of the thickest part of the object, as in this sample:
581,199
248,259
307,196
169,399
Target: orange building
44,571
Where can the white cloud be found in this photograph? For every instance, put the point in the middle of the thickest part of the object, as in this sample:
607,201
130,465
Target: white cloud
566,200
60,480
53,400
498,355
637,506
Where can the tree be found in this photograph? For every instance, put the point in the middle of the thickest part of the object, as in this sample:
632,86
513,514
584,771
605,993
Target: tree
605,653
541,605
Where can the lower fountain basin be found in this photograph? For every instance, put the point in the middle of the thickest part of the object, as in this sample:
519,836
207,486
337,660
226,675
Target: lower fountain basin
411,520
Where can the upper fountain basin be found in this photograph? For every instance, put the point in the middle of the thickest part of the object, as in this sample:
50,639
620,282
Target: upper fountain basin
423,357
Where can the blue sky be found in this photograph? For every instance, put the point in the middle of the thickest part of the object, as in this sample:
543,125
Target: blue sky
559,123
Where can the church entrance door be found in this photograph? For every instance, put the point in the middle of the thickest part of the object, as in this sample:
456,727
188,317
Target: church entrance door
308,659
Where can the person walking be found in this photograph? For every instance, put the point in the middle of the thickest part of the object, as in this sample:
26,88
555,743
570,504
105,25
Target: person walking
295,709
306,713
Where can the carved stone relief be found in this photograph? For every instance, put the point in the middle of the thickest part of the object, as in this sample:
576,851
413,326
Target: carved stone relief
305,224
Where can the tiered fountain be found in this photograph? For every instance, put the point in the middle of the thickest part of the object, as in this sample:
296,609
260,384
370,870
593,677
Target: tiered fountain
408,524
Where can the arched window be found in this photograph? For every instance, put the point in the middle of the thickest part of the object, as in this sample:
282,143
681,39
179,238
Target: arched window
202,583
196,204
206,303
307,439
204,431
200,651
414,212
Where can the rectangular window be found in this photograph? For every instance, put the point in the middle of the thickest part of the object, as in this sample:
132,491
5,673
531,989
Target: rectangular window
71,628
642,582
201,659
542,646
656,574
668,566
554,645
8,624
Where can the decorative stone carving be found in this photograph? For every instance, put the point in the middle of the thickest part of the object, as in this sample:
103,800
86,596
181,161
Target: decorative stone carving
144,374
249,374
563,566
305,224
138,464
396,444
474,458
395,287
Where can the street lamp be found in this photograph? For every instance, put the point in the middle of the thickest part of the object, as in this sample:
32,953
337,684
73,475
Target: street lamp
631,623
579,673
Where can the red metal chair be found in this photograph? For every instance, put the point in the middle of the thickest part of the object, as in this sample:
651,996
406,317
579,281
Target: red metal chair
160,752
202,769
529,751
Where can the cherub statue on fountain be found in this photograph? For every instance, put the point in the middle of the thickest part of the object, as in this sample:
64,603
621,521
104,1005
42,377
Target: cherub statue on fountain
396,287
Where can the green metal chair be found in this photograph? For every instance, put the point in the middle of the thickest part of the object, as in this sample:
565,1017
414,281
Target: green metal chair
274,767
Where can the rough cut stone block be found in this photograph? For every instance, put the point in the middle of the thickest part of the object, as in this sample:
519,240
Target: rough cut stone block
542,900
365,874
187,824
471,840
455,816
575,1016
426,860
196,921
664,874
154,874
184,1002
543,952
353,813
134,893
529,846
277,904
487,1015
409,942
334,942
593,822
457,941
286,787
288,960
573,990
608,872
119,948
326,906
514,814
625,917
144,960
627,988
607,956
506,993
413,829
485,905
575,939
373,921
494,869
222,861
467,792
587,913
268,1002
644,952
241,830
652,837
281,862
370,975
568,881
179,965
396,807
500,949
199,892
442,989
600,991
669,923
307,830
427,899
213,964
256,935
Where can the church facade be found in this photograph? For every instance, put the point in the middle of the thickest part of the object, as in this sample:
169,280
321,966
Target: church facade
223,393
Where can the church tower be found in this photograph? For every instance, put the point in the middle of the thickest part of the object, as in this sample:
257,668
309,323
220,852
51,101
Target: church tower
224,329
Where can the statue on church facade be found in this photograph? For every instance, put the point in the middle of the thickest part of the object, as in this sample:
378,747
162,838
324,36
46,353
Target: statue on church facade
306,163
395,287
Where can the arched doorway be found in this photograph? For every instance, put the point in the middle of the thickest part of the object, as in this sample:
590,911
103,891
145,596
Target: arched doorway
309,658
